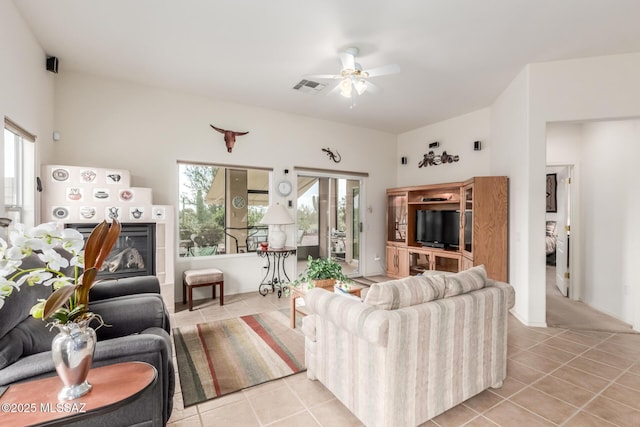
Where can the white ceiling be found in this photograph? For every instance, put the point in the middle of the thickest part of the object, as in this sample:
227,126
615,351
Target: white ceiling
455,55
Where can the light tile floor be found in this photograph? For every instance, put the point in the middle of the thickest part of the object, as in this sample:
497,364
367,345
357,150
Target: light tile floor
555,377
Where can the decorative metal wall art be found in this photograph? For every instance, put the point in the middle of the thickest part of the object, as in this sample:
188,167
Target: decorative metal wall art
335,157
432,159
229,137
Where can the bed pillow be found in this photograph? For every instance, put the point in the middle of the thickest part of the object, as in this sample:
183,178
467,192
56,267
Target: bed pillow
465,281
405,292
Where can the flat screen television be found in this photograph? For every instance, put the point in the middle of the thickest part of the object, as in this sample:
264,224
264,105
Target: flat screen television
438,229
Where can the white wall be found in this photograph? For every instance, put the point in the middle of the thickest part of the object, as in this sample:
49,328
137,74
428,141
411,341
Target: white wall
108,123
509,155
26,87
610,216
582,89
456,137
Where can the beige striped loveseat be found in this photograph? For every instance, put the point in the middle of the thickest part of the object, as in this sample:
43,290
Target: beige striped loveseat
413,349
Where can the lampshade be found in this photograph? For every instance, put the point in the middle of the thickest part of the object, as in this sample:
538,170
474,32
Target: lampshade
277,215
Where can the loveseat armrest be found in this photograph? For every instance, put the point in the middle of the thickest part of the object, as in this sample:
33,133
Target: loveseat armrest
357,318
130,315
110,288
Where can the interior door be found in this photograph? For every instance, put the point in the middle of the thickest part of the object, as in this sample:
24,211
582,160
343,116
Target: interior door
563,231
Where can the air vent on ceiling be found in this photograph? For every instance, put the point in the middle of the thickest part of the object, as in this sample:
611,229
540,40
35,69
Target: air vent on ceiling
308,86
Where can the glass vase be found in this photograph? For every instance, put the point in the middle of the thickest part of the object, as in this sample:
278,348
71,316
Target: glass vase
72,351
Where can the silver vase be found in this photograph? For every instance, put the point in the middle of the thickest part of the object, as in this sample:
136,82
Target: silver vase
72,351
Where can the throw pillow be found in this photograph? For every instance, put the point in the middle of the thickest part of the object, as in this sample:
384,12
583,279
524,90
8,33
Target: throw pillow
405,292
465,281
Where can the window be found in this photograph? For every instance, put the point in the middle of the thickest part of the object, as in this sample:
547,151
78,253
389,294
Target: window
19,173
221,208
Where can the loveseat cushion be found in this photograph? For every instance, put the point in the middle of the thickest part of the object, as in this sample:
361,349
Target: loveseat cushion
405,292
465,281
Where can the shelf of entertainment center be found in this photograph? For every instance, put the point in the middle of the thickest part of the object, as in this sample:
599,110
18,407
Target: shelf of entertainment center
425,258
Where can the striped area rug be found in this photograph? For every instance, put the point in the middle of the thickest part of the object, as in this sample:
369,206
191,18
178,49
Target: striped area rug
228,355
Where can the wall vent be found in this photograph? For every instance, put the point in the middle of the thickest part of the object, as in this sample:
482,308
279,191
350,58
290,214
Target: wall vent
308,86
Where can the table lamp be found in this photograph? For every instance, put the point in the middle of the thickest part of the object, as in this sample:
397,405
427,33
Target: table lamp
277,215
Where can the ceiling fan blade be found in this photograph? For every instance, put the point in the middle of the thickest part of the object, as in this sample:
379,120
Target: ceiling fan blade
322,76
336,89
371,88
382,71
348,61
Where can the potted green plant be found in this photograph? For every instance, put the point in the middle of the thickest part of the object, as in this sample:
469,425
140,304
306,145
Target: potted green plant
322,273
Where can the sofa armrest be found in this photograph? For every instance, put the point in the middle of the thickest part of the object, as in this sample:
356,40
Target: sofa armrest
363,320
111,288
511,293
130,315
152,346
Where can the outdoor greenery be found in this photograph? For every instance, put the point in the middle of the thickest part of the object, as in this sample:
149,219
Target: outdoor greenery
202,224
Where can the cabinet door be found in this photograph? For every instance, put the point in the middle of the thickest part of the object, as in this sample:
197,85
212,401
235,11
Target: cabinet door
467,263
397,217
392,259
403,262
466,221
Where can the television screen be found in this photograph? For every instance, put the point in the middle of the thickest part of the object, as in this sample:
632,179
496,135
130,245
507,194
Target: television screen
438,228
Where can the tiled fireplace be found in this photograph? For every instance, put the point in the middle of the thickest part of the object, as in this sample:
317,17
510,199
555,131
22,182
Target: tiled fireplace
83,196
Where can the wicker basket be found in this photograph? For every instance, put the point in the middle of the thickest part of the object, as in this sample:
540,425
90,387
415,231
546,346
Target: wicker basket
324,283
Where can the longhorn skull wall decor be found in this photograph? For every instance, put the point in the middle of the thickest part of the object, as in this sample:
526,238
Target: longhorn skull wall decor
229,136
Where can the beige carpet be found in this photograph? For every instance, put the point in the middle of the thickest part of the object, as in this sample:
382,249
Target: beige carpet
563,312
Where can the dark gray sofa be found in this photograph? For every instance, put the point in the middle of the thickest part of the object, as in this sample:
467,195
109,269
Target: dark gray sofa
139,331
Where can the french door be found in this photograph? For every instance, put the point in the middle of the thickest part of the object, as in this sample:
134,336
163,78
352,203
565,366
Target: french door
329,220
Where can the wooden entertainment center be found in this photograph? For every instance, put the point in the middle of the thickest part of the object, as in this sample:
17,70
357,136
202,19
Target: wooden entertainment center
483,227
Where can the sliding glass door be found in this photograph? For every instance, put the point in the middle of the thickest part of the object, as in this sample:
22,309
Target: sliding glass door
328,219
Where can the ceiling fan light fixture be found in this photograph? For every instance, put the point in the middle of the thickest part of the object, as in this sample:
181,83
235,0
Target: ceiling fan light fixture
346,87
361,86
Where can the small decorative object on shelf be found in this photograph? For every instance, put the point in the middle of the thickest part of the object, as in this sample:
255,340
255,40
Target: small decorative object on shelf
67,308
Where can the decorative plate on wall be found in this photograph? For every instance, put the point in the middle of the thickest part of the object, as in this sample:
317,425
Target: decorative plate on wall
113,177
88,175
158,212
87,212
60,174
74,193
100,194
126,195
60,212
136,213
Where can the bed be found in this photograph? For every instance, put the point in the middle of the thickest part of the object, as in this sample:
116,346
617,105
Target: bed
550,242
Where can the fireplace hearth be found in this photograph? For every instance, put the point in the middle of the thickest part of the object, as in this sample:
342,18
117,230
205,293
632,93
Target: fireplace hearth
133,254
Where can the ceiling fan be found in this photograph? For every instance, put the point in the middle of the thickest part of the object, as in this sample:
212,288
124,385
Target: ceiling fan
353,79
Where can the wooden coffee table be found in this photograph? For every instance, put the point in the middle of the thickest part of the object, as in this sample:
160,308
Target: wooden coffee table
36,402
300,291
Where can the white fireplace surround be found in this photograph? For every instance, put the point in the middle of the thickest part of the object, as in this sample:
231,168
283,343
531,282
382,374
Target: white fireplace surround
84,194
